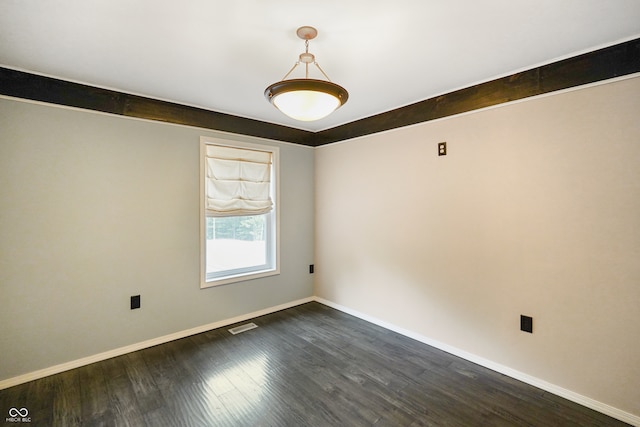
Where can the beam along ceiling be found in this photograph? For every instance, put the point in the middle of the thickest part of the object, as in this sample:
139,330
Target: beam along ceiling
220,56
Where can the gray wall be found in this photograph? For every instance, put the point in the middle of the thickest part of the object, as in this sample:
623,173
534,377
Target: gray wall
96,208
535,210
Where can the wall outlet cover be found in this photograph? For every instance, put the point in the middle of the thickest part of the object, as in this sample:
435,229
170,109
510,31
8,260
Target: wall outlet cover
135,302
526,324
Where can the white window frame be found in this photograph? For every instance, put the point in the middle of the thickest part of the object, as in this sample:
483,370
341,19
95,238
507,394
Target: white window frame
273,217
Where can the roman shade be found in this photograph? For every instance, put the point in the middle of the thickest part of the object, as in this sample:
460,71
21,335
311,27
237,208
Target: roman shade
238,181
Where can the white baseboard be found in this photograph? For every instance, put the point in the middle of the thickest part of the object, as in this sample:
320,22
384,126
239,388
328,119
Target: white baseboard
21,379
536,382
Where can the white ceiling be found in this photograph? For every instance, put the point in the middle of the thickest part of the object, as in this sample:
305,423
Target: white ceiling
221,55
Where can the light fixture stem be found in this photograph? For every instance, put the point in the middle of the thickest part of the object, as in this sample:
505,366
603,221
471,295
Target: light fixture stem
291,70
306,50
306,65
321,70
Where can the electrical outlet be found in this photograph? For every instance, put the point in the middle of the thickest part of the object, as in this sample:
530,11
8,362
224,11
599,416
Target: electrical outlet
442,149
311,268
526,324
135,302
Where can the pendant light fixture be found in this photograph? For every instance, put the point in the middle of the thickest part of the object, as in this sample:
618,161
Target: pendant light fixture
306,99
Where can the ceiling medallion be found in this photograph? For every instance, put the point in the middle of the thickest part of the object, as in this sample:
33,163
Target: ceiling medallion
306,99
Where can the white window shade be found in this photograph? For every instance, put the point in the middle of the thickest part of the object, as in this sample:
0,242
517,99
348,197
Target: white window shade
238,181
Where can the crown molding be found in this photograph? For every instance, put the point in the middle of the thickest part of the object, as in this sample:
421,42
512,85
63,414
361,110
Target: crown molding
602,64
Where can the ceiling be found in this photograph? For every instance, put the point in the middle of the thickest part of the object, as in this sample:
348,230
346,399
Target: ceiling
221,55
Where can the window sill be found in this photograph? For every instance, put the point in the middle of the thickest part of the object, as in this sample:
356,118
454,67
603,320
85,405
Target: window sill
238,278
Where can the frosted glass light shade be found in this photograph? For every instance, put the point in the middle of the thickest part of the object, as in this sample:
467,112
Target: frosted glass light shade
306,99
306,105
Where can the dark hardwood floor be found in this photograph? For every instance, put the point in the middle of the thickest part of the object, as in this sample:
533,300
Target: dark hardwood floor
306,366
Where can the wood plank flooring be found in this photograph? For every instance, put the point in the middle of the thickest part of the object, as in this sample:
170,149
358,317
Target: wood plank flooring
306,366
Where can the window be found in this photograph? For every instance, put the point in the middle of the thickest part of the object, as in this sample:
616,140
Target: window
239,211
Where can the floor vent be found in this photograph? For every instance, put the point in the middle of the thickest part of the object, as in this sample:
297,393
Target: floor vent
243,328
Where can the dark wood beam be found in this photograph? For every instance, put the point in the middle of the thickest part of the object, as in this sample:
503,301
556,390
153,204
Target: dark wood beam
24,85
603,64
614,61
137,106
